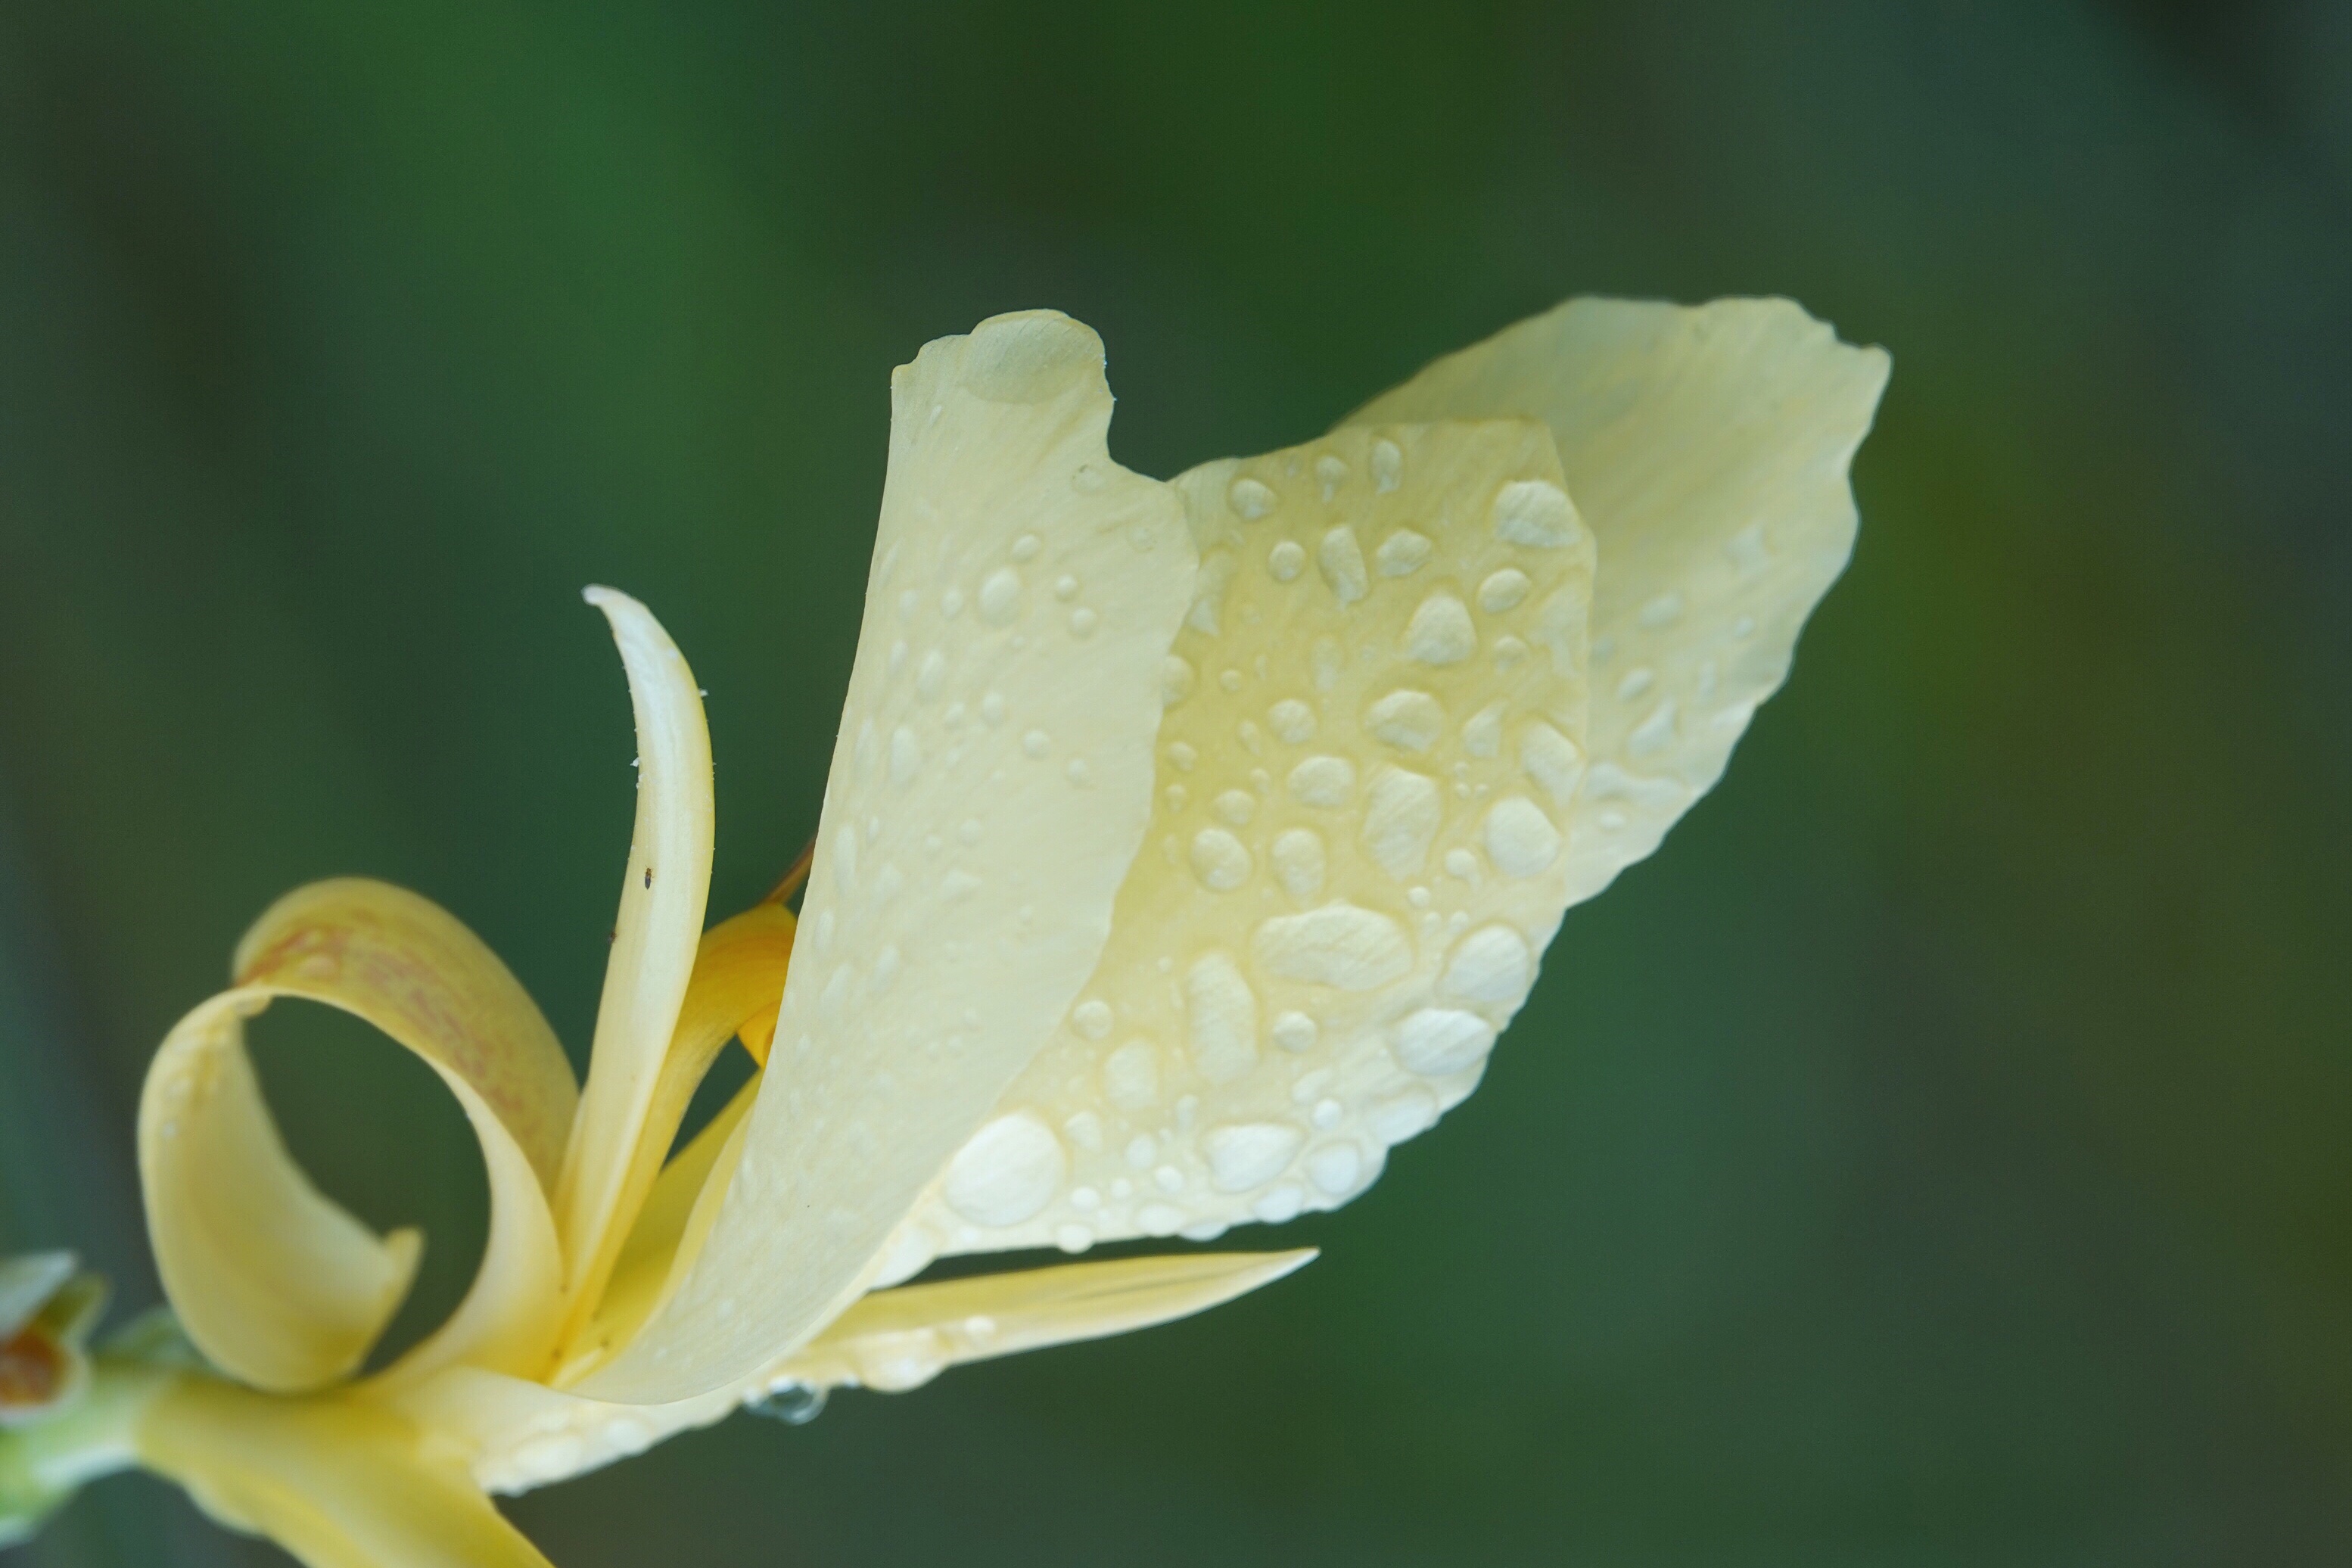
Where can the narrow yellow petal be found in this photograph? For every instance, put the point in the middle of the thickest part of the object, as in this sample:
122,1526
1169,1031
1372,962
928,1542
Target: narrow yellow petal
339,1482
990,785
664,889
274,1281
895,1340
670,1229
738,974
515,1436
1376,710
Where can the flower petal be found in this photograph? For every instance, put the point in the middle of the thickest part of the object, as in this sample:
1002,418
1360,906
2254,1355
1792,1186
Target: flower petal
896,1340
1377,706
739,974
664,889
1708,448
276,1283
341,1482
515,1435
990,784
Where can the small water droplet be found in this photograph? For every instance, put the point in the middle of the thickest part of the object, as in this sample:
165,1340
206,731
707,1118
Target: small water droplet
793,1404
1387,465
1000,596
1285,561
1251,500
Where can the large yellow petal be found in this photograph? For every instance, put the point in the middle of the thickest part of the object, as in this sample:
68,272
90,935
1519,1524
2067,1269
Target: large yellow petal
991,783
274,1281
339,1481
1375,721
664,890
1708,448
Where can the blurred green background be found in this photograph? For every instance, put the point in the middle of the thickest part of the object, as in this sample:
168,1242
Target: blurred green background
1938,1155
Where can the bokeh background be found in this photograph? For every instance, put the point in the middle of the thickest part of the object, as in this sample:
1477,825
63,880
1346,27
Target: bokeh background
1941,1154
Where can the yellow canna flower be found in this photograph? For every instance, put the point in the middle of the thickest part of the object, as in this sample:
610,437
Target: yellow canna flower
1186,846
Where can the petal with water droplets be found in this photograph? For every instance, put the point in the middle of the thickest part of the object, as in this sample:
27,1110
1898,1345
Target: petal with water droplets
981,808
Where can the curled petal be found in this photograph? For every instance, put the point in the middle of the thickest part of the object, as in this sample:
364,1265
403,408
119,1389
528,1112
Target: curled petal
990,787
275,1282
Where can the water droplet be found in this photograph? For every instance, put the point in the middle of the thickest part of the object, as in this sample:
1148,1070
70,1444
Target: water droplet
1502,590
1655,733
1637,682
1000,596
1250,500
1402,553
1402,811
1221,1017
1158,1219
1036,742
1094,1018
1236,806
1334,1168
1220,860
1331,473
1482,736
1082,622
1402,1116
1072,1237
1285,561
1167,1179
906,756
1007,1172
1341,561
1408,719
1280,1203
1436,1041
1294,1032
1078,773
793,1404
1663,611
951,603
1491,964
1182,757
1340,945
1744,627
1131,1075
1085,1129
1440,632
909,600
1292,721
1520,840
1533,512
1748,549
1243,1155
1089,479
1551,760
1387,465
1322,782
1175,680
1066,588
1298,862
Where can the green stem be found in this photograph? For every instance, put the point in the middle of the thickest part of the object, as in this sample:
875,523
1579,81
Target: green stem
44,1464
